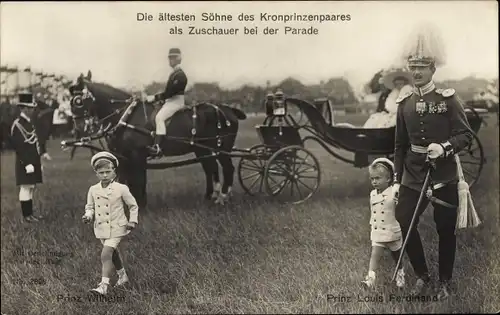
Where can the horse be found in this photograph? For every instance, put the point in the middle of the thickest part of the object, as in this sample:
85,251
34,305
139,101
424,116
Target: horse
42,120
207,130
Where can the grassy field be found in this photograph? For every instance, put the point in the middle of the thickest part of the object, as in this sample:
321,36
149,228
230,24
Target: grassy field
253,255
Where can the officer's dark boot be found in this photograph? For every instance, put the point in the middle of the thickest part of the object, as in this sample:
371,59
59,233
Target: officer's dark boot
27,209
155,149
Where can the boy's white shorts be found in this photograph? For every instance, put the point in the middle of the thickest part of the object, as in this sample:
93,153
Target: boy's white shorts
111,242
392,245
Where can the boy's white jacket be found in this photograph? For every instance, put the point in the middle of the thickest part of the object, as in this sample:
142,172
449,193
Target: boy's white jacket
385,227
106,205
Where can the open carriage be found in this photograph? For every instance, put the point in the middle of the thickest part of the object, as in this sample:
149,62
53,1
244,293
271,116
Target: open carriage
281,165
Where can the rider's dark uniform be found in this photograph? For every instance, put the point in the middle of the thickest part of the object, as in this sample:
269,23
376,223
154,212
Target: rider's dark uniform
176,85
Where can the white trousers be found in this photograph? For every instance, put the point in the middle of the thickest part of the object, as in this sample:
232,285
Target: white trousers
26,192
168,109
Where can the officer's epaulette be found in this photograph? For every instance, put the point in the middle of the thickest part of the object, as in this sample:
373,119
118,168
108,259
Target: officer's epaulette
446,93
404,96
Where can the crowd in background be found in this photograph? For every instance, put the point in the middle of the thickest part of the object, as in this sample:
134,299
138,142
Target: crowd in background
53,92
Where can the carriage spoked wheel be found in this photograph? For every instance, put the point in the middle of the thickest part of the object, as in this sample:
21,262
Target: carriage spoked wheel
293,173
251,170
472,160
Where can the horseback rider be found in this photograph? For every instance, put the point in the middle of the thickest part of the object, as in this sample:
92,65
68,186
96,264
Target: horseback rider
173,98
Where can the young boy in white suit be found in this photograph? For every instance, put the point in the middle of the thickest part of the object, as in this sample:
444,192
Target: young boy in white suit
105,204
385,229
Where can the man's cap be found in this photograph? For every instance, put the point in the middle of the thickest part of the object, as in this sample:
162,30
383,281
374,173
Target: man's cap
174,52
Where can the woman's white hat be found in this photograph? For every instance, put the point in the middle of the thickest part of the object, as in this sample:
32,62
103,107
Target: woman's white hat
393,73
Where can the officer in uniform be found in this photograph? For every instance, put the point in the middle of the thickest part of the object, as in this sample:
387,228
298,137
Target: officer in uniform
173,98
431,123
28,155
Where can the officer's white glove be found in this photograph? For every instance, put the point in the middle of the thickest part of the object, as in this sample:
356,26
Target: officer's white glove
395,192
435,150
150,98
29,169
46,156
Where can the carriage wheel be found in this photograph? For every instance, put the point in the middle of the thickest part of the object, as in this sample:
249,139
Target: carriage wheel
472,160
251,170
293,173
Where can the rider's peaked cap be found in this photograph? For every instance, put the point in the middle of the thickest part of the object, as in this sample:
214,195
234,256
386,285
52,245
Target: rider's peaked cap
26,99
174,52
104,155
424,47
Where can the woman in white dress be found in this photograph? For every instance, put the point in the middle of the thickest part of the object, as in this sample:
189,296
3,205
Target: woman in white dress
398,81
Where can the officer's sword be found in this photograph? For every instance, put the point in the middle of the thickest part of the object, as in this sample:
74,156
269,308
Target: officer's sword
420,198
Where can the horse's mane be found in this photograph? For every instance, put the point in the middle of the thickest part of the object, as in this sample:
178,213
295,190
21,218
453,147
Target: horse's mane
103,91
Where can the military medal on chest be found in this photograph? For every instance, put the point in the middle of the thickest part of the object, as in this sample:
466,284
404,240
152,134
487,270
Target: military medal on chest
432,108
420,106
441,107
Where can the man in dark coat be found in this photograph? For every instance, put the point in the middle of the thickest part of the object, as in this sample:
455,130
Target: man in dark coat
431,123
29,153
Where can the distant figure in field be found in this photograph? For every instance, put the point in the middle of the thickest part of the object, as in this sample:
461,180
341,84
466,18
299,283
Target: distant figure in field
29,152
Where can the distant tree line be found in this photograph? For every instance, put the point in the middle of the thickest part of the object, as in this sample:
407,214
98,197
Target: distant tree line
338,90
250,97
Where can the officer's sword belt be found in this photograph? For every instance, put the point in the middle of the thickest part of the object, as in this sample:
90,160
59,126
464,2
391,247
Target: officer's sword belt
423,150
418,149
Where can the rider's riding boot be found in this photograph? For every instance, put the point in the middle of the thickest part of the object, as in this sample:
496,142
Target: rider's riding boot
155,149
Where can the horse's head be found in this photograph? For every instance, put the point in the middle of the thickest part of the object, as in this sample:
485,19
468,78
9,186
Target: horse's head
82,101
95,104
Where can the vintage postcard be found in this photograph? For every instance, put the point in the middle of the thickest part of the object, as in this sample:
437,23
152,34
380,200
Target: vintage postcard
249,157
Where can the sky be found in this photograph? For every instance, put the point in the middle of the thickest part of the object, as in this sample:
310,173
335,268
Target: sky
72,37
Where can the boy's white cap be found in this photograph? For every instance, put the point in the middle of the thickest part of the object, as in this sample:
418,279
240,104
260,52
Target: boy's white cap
104,155
386,162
